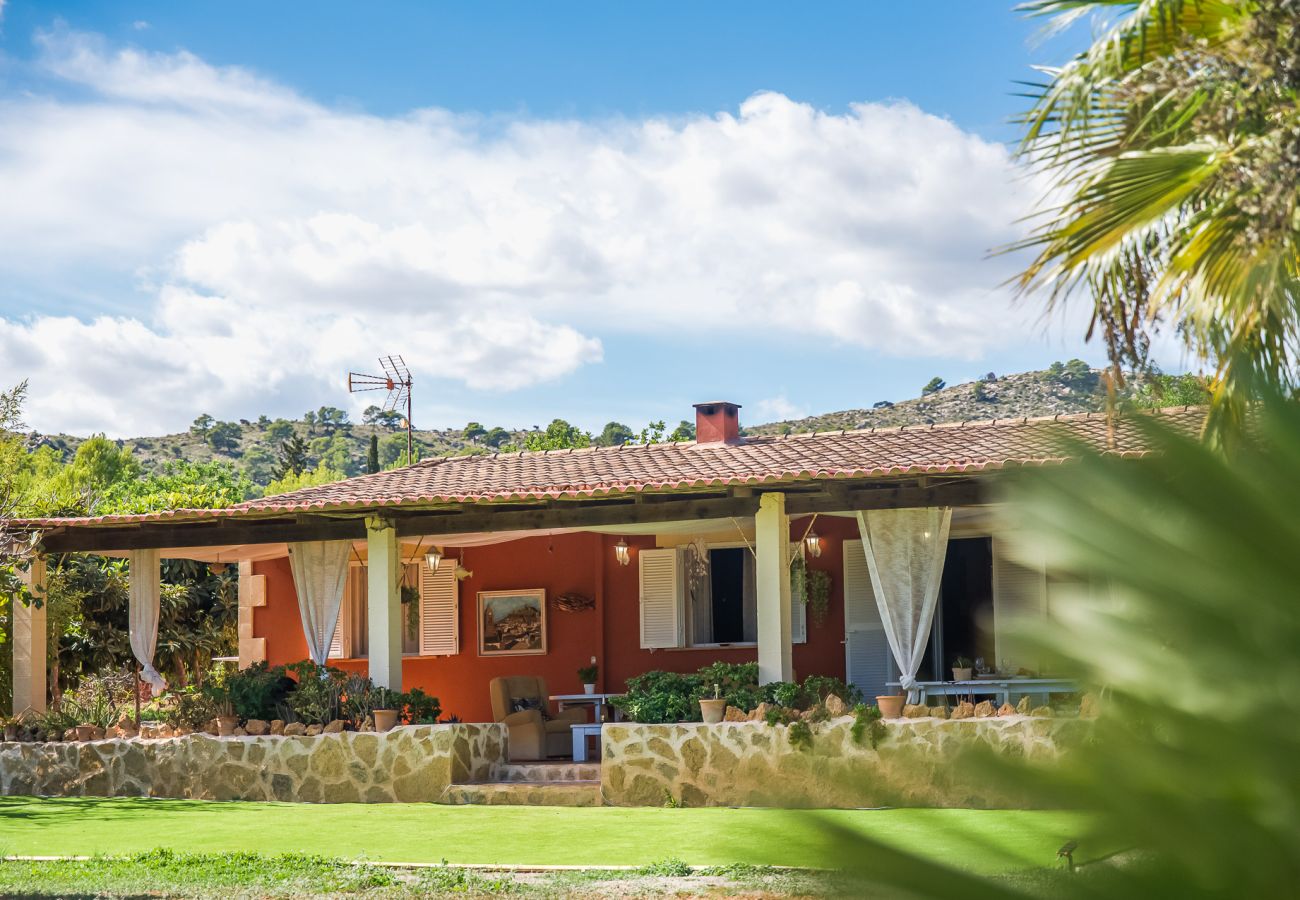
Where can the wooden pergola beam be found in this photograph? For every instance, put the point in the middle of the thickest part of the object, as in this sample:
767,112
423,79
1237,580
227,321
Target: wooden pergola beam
801,499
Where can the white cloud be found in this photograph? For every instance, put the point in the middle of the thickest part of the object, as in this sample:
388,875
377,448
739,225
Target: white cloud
778,409
280,241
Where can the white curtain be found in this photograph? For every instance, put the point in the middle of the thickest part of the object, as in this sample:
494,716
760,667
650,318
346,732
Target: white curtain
905,549
142,613
320,572
699,582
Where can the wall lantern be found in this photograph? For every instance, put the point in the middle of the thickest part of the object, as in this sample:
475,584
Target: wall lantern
434,558
622,553
813,544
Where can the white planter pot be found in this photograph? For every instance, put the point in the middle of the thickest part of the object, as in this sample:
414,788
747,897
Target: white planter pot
712,711
589,688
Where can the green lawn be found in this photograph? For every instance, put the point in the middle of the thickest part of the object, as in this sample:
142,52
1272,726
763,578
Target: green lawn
985,841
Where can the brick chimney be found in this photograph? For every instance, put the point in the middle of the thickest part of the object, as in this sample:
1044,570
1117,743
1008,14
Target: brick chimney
717,422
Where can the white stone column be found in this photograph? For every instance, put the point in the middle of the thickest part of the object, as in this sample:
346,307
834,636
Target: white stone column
31,642
772,570
384,602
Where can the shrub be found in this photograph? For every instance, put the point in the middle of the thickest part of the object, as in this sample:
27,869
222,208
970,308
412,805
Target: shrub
819,687
672,697
867,723
801,736
421,709
657,697
317,699
99,699
737,682
257,691
785,693
190,708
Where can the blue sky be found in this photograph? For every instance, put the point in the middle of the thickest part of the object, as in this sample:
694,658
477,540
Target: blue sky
583,210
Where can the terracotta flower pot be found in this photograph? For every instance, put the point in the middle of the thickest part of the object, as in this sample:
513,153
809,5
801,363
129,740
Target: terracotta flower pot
891,705
226,725
385,719
86,732
961,674
713,710
589,688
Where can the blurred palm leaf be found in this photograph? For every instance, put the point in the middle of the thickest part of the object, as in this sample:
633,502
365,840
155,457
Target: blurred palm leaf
1194,641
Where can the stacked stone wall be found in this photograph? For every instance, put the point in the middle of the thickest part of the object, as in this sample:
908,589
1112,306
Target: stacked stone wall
411,764
755,764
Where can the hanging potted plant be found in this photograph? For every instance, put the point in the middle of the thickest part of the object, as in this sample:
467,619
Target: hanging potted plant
410,595
587,675
385,709
961,669
714,708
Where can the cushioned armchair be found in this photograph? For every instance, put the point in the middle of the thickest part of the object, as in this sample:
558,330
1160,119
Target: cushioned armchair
519,702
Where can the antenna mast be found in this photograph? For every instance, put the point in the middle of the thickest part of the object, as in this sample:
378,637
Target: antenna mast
397,381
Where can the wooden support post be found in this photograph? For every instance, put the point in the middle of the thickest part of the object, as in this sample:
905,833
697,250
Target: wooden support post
772,570
31,643
384,602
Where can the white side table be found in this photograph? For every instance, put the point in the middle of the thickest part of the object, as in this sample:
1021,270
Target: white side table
581,732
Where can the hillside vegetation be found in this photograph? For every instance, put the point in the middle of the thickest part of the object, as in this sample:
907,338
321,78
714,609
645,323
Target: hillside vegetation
323,445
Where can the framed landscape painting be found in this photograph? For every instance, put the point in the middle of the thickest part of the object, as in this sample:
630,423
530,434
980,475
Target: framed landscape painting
512,623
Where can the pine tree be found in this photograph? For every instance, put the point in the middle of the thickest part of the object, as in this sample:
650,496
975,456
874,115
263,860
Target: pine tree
372,459
293,458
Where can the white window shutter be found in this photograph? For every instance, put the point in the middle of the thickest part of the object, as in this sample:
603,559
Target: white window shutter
662,590
341,643
439,610
1019,596
798,599
868,662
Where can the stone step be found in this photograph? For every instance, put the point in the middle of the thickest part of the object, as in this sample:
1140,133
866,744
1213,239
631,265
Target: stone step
524,793
545,773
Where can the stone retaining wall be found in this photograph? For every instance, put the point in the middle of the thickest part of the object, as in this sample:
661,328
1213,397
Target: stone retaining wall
411,764
754,764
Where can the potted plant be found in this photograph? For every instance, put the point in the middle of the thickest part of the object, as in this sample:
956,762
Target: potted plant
385,709
891,705
587,675
961,669
227,721
712,709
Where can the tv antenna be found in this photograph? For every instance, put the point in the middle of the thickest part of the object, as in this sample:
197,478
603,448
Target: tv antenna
397,381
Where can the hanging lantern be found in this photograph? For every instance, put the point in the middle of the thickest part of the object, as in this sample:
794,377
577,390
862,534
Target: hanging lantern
813,544
434,558
622,552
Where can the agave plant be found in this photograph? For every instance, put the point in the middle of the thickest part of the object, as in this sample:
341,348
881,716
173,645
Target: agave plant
1171,148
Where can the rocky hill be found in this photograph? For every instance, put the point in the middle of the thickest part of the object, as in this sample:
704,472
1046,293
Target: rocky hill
1061,389
255,447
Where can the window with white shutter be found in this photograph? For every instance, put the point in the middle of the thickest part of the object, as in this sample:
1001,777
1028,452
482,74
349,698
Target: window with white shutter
439,610
1019,596
868,661
662,591
798,597
341,643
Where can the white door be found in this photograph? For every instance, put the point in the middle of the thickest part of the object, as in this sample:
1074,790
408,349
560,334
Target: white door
868,662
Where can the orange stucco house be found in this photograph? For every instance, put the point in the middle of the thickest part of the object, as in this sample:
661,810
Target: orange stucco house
667,556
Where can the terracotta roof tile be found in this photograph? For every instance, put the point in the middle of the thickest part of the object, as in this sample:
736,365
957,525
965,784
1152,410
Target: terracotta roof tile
951,449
